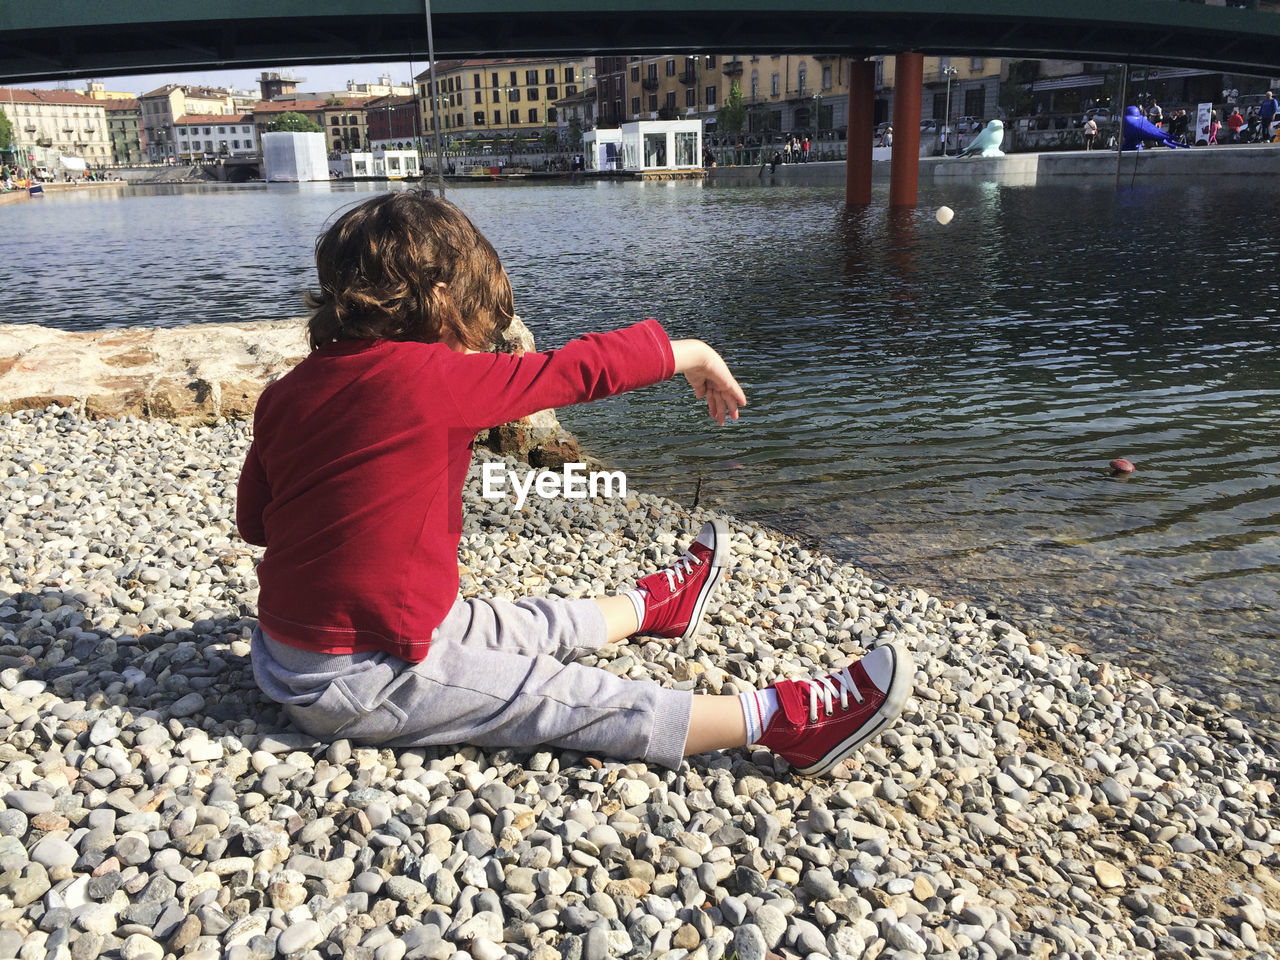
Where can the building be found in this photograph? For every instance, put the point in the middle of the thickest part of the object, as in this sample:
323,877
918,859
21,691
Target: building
96,90
275,86
159,107
124,130
266,112
49,124
664,87
575,115
508,99
394,123
785,93
215,135
383,88
345,122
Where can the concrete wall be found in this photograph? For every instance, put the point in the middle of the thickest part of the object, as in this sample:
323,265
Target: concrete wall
1225,161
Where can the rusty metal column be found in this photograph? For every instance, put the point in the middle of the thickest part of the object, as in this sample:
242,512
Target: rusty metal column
857,170
904,175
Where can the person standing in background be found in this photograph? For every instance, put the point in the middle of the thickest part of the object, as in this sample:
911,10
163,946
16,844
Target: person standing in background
1267,115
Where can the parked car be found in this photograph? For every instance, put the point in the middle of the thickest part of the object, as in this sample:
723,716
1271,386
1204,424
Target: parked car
1099,115
969,124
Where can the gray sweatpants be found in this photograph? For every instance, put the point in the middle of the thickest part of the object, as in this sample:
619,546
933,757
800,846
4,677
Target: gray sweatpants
497,674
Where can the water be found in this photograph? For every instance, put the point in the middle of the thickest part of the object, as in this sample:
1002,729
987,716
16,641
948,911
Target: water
937,403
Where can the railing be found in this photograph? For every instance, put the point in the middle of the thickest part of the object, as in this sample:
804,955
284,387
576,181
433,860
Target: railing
689,76
649,83
732,68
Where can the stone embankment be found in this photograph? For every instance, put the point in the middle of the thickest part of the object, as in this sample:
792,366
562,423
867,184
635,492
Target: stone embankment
1029,802
199,373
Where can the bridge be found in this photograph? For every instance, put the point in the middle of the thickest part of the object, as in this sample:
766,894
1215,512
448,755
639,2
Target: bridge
68,39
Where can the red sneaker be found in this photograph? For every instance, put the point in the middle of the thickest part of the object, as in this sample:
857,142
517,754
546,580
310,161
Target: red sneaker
820,722
678,595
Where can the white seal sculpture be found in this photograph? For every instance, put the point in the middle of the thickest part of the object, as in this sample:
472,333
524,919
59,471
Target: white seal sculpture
987,143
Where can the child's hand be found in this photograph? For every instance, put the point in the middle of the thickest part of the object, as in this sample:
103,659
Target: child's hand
710,378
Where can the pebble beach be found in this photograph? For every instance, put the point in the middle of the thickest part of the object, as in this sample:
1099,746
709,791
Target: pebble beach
1030,802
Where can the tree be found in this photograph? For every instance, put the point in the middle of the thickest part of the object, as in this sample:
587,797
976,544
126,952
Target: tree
6,132
550,139
733,115
575,134
291,122
1015,96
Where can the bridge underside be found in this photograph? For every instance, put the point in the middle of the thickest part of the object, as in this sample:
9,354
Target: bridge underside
70,38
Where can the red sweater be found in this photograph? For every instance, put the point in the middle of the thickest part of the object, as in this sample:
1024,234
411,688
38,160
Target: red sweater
354,478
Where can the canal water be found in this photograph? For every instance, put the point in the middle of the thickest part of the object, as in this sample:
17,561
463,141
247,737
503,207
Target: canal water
938,404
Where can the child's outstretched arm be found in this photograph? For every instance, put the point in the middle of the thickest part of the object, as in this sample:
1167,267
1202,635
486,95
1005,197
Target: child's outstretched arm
709,376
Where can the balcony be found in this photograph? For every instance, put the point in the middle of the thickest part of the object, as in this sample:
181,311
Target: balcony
689,77
30,128
732,68
649,83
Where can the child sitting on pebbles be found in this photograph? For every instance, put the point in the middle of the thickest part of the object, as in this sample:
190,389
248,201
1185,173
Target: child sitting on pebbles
353,484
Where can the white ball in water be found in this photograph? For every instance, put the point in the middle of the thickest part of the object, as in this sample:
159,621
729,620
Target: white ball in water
944,215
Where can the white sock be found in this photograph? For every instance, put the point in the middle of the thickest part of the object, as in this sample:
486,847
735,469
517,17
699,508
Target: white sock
758,708
637,598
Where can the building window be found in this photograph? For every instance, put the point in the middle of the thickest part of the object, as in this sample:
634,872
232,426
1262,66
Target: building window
671,101
689,97
711,96
635,106
533,115
553,93
513,95
236,144
653,103
494,78
475,80
773,85
531,78
635,74
569,76
531,94
976,64
515,117
333,121
653,71
975,102
711,62
497,96
478,119
479,97
802,74
206,131
552,115
497,118
826,77
550,75
513,80
671,68
755,86
222,129
459,120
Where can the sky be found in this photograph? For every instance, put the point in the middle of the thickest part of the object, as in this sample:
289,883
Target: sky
327,77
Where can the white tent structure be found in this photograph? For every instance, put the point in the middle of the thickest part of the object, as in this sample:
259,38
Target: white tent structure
294,157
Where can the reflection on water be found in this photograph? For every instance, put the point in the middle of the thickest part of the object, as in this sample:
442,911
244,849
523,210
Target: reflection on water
937,403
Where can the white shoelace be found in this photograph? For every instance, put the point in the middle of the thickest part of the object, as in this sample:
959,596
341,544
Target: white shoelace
681,569
825,689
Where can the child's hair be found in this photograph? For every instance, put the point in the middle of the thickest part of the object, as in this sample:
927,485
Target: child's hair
408,266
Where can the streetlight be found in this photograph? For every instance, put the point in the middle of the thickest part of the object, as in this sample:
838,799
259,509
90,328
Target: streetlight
948,71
